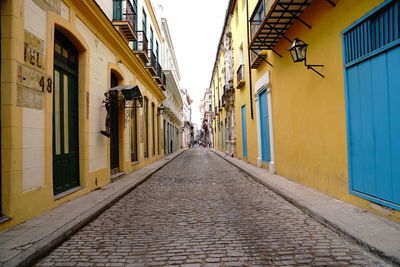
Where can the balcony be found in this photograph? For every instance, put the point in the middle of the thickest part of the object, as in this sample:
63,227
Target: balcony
271,19
163,81
140,47
258,57
240,76
157,76
151,65
124,18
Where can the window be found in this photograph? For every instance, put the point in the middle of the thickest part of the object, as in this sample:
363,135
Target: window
144,22
153,127
151,38
157,51
146,127
134,4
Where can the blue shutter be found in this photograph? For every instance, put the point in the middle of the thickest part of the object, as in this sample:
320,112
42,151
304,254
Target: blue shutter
373,33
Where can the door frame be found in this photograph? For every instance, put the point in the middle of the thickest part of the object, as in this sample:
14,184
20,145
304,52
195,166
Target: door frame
263,128
113,116
63,69
244,131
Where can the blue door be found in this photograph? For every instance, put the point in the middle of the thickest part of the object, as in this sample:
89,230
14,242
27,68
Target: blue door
264,125
372,64
244,132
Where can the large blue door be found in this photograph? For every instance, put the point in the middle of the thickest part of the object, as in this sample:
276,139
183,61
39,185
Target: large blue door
372,64
244,131
264,125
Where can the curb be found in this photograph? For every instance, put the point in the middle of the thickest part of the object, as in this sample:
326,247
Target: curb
44,246
331,225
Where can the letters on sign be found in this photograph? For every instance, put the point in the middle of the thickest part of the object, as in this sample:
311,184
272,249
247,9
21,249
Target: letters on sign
36,80
33,51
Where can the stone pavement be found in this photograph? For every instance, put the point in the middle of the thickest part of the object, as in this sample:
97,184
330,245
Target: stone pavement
201,211
29,241
377,234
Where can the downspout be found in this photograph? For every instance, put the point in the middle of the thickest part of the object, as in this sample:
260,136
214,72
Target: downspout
219,107
1,59
249,60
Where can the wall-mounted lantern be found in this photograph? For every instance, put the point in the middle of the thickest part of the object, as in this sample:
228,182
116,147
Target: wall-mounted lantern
132,99
298,51
160,110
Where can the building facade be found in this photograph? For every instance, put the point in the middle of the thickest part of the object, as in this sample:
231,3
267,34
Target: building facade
206,115
328,121
81,94
187,130
173,104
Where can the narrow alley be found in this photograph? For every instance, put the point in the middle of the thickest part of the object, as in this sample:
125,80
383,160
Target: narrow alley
201,211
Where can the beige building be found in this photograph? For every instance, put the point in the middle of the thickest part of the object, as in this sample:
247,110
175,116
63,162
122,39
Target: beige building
81,91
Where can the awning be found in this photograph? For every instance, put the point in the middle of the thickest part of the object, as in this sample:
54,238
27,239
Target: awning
130,93
268,30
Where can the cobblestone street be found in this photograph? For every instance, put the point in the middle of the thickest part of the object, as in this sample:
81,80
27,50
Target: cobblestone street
201,211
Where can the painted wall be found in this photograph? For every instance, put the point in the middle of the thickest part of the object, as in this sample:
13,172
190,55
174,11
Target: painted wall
309,111
243,95
27,182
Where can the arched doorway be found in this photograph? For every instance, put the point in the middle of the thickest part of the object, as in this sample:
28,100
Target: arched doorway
65,115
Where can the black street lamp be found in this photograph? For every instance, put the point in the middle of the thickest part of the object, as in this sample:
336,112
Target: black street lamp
160,109
298,51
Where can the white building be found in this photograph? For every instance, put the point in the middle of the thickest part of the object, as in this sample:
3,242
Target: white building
187,132
206,114
173,105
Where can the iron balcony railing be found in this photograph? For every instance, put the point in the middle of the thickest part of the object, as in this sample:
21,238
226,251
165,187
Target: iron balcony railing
163,79
123,10
240,73
152,59
158,70
141,44
259,14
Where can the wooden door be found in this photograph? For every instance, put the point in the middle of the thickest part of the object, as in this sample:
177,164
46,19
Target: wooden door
65,116
114,121
372,63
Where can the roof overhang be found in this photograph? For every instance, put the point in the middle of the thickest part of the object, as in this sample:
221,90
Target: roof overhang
130,93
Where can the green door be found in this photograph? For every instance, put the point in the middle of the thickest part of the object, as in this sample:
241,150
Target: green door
114,139
65,116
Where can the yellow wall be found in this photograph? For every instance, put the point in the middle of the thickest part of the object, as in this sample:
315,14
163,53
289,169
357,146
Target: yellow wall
309,115
242,95
22,205
309,111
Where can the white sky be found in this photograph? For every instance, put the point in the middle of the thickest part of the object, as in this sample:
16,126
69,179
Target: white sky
195,28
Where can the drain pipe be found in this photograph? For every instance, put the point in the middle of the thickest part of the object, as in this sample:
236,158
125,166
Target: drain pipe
249,60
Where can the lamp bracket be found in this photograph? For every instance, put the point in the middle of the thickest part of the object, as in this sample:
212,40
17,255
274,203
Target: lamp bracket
311,67
262,57
331,2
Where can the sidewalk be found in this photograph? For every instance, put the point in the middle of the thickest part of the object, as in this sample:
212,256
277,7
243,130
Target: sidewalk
29,241
379,235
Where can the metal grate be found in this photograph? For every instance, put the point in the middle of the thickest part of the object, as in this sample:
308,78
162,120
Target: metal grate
376,31
271,19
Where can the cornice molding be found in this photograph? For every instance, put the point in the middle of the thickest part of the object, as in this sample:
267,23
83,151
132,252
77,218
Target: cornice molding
92,15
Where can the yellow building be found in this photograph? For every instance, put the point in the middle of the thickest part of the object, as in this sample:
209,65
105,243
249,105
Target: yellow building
311,121
68,68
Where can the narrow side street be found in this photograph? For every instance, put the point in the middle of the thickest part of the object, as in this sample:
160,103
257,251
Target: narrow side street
201,211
